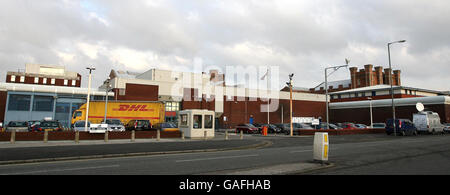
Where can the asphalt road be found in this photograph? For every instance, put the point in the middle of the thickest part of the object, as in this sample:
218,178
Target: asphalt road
350,154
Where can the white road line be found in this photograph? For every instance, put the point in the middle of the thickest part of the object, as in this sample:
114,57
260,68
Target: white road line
216,158
61,170
300,151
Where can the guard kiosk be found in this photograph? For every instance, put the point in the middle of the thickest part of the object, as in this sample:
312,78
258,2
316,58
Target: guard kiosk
197,123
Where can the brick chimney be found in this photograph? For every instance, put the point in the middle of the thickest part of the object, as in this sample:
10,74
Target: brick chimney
368,77
396,78
378,75
387,72
353,71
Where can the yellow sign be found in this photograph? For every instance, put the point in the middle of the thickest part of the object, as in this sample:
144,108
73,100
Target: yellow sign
325,151
325,137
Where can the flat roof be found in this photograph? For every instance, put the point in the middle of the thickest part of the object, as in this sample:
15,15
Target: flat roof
384,87
51,89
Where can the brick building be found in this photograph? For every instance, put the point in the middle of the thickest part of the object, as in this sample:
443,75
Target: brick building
369,76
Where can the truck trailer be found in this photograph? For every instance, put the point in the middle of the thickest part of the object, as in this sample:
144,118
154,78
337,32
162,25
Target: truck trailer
122,110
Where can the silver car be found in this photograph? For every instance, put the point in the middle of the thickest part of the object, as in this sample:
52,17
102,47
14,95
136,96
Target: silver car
18,126
114,125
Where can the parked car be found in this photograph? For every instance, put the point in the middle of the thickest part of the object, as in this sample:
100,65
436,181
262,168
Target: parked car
284,127
447,127
323,125
80,126
143,125
50,126
301,126
402,126
114,125
379,125
247,128
18,126
34,125
273,128
428,122
167,127
349,126
361,126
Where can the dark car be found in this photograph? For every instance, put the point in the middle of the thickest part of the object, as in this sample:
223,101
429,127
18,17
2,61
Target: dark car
402,126
139,125
247,128
18,126
272,128
284,128
49,126
323,125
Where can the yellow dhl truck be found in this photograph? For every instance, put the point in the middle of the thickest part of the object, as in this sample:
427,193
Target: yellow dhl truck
122,110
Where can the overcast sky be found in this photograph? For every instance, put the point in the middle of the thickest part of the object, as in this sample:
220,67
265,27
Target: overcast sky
302,37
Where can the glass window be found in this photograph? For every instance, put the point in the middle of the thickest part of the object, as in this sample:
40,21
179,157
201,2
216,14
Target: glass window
197,121
184,120
36,79
208,121
44,81
19,102
22,79
13,78
52,81
374,93
66,82
43,103
74,82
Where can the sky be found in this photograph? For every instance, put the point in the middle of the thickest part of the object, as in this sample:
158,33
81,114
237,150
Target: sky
298,36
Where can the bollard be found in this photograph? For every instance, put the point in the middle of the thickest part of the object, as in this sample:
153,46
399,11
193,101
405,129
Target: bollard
13,136
226,134
182,135
45,136
133,136
205,135
158,135
242,134
77,137
106,136
321,147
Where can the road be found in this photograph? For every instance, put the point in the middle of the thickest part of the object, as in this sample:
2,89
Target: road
350,155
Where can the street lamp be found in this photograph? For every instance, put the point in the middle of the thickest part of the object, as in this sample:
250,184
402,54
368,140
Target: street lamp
92,68
290,102
335,68
108,88
390,81
371,114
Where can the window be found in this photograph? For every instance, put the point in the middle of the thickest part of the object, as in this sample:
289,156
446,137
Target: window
13,78
19,102
53,81
36,80
208,121
66,82
44,81
74,82
22,79
374,93
172,106
198,121
43,103
184,120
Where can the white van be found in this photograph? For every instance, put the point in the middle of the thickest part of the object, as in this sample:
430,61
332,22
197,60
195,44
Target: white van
427,121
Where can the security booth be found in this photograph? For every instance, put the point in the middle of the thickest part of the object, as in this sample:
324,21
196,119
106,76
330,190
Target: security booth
197,123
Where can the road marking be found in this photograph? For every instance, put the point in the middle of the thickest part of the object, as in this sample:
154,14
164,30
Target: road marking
300,151
61,170
216,158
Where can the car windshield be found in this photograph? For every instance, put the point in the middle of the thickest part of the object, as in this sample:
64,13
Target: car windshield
18,124
49,124
113,122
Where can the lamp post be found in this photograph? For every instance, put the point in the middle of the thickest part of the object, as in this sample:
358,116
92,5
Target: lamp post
371,115
107,85
92,68
335,68
290,102
390,81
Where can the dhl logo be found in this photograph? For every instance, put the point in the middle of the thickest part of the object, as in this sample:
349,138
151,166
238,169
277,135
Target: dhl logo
134,107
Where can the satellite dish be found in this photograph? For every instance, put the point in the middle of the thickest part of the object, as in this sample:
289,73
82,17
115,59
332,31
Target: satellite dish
420,107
